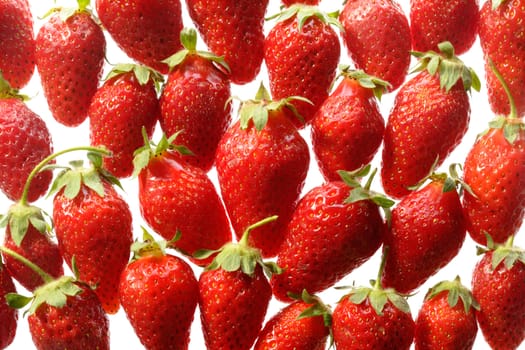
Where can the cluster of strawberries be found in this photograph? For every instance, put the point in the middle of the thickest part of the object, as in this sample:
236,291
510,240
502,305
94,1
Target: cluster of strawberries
254,234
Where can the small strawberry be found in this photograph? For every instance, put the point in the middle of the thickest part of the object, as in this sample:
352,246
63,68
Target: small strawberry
303,324
17,58
146,30
447,318
195,100
301,52
347,130
159,294
498,284
121,107
377,37
233,29
8,315
262,162
335,228
429,118
435,21
70,49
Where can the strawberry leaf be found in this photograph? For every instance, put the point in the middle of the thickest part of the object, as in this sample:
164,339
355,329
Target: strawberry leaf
17,301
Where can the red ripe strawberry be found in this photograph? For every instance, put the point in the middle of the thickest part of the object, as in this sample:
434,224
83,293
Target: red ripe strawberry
180,198
146,30
262,162
301,53
447,318
347,130
501,37
498,284
303,324
159,294
120,109
17,58
70,66
377,37
435,21
426,231
8,315
233,29
332,231
429,118
195,100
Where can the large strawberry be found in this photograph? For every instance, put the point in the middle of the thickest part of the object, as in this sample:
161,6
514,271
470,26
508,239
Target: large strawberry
262,162
501,28
70,66
429,118
17,58
195,101
498,284
125,104
348,128
159,294
435,21
8,315
146,30
377,37
301,52
233,29
335,228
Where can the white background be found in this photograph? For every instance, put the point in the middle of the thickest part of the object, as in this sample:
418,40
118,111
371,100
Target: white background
122,335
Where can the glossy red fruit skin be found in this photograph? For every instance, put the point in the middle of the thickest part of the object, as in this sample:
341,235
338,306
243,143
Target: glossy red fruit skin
159,295
495,169
347,130
377,38
8,315
81,324
302,62
359,327
119,110
325,240
501,39
25,141
97,232
195,100
261,174
233,306
499,293
440,326
146,30
426,123
432,22
233,29
306,2
17,58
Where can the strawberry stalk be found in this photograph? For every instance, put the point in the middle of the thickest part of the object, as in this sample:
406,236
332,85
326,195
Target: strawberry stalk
513,110
44,275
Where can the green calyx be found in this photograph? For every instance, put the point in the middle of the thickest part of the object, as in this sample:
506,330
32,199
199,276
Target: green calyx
66,12
448,66
377,85
20,216
506,253
316,309
151,247
7,91
452,181
142,73
455,291
304,12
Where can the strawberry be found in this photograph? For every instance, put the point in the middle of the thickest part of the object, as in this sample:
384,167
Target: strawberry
93,228
426,231
498,284
195,100
180,198
447,318
262,162
234,294
306,2
146,30
301,52
335,228
432,22
121,107
347,130
8,315
17,59
377,37
233,29
429,118
159,294
70,66
303,324
501,37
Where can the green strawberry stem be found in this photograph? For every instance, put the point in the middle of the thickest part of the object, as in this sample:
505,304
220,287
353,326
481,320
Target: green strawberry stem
377,283
44,275
513,110
244,239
